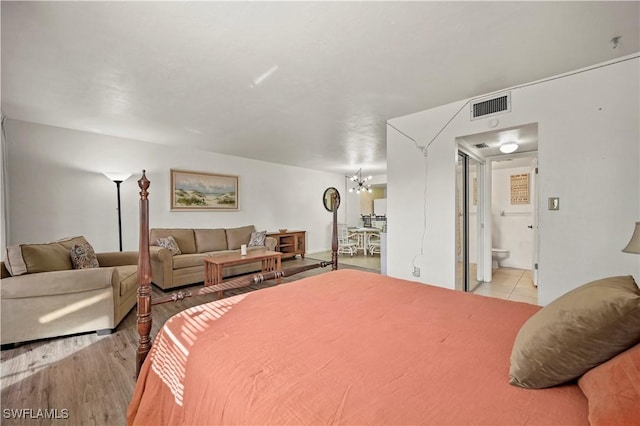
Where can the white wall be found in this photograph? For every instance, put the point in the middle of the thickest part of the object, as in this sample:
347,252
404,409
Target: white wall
589,156
351,214
510,230
57,189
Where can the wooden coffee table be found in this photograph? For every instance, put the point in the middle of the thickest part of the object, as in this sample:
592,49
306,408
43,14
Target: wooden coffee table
213,266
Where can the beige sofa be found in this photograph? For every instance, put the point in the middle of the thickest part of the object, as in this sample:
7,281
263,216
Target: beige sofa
41,303
169,271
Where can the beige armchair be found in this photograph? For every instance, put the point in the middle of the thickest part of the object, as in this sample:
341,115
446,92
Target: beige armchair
57,303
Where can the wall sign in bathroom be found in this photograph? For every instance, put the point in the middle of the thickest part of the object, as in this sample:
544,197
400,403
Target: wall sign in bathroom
520,189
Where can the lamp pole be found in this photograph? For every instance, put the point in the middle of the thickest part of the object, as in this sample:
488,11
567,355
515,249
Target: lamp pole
118,182
118,178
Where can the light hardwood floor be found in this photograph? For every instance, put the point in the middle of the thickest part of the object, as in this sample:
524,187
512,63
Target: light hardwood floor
359,260
90,376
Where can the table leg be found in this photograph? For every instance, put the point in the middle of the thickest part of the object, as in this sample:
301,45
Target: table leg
365,242
218,278
208,280
272,264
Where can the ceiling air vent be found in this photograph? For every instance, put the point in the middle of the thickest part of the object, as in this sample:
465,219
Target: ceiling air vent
482,145
487,107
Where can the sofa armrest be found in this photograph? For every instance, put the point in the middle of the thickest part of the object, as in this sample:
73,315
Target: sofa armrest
118,258
271,243
160,254
161,266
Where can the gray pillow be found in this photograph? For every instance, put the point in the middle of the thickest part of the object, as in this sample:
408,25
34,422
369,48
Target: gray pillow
576,332
170,244
83,256
257,238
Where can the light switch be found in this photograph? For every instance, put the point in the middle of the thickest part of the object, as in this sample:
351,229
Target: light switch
554,203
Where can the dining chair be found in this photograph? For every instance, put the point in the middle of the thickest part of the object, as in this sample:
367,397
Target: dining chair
374,244
347,244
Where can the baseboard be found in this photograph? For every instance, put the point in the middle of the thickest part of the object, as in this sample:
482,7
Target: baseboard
514,266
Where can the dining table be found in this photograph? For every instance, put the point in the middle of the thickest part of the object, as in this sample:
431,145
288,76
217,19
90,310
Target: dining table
362,236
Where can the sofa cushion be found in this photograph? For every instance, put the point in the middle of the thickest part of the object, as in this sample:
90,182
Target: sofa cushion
184,237
238,236
257,238
56,283
576,332
170,244
83,256
188,260
47,257
210,240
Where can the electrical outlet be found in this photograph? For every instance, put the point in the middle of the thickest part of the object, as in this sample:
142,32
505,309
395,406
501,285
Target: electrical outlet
416,271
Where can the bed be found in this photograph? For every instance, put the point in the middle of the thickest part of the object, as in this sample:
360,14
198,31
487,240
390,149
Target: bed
352,347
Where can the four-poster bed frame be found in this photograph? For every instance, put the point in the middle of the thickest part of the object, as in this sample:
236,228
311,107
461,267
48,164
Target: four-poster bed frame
344,347
331,201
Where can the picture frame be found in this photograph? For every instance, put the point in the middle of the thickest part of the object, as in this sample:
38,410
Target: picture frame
201,191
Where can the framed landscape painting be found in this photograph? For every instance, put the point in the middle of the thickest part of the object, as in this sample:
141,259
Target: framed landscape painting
203,191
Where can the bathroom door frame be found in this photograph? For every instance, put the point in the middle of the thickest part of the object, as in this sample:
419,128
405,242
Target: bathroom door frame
536,222
482,233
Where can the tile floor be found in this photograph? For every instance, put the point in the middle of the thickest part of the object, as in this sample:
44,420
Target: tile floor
360,260
511,284
508,283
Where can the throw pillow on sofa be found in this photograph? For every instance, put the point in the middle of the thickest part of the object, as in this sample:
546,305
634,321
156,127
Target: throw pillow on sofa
258,239
83,256
170,244
33,258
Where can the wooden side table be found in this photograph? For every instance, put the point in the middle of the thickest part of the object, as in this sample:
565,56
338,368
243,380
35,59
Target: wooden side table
290,243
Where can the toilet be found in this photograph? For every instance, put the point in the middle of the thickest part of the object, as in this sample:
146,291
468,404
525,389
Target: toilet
498,254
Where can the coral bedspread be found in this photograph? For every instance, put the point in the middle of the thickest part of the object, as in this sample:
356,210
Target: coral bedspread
345,347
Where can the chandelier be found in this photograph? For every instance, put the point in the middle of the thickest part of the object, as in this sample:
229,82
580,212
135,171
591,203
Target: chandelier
361,184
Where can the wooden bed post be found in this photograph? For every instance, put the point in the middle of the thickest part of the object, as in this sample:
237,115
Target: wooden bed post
144,277
334,232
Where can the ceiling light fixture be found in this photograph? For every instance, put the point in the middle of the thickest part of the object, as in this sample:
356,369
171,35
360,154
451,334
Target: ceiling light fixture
361,184
508,147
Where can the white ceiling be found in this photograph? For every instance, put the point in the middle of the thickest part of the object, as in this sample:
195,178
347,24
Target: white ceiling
302,83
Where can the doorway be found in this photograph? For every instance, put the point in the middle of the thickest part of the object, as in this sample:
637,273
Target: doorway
514,212
510,200
469,224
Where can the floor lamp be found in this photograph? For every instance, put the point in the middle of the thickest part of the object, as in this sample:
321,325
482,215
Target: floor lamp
634,243
118,178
